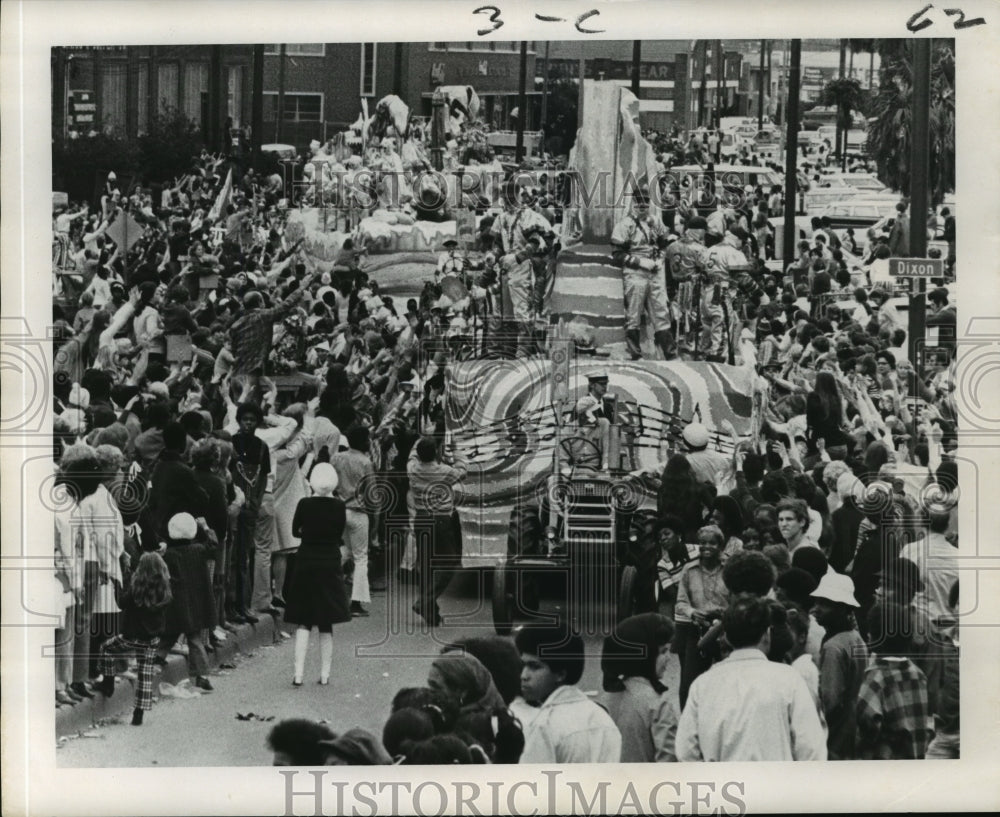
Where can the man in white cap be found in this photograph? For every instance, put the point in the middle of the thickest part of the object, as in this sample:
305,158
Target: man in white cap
709,466
842,661
592,424
456,261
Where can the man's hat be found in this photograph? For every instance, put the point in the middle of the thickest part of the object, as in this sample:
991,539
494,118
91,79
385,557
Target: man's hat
697,223
450,242
696,436
598,377
641,195
836,587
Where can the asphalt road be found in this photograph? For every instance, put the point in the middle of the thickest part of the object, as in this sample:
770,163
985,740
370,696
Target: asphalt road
373,659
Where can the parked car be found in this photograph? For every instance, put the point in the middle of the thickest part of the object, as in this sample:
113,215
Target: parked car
858,212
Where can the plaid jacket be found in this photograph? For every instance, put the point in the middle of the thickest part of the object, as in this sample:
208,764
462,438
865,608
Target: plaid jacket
893,714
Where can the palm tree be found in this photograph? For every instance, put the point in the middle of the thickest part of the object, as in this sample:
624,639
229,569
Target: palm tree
889,134
847,96
869,46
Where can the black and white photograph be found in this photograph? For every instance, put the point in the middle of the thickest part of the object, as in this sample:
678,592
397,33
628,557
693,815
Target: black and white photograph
540,403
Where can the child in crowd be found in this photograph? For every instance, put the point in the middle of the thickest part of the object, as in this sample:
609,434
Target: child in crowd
143,602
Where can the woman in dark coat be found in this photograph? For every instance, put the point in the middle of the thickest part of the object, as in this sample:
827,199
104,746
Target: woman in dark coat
316,594
681,495
192,609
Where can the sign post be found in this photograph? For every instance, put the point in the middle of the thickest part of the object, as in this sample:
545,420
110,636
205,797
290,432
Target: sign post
918,270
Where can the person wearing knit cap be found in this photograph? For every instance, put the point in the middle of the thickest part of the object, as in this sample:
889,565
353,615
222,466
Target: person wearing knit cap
192,608
637,243
356,747
317,596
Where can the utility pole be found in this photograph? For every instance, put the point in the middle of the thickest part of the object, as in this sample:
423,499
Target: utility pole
522,105
841,133
701,85
257,106
760,88
281,94
919,173
636,60
791,152
543,124
720,84
581,72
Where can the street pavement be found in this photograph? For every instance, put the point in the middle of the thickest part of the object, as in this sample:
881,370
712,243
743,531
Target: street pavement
373,659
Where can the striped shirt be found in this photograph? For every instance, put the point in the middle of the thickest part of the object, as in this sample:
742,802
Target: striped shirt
432,484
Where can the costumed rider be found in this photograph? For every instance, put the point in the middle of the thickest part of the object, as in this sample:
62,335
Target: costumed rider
520,234
592,425
459,263
687,261
725,260
637,243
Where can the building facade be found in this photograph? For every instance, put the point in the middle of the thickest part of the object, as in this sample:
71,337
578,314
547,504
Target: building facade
317,87
118,89
670,76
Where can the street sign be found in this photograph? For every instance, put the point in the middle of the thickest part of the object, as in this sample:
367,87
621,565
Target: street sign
125,232
916,267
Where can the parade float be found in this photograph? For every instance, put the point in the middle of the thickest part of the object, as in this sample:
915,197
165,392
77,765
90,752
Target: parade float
528,503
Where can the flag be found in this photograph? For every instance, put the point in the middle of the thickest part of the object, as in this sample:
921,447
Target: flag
227,189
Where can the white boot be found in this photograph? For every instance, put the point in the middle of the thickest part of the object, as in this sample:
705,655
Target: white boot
326,657
301,646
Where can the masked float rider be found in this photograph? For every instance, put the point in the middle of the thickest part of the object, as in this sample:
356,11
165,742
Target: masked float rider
725,260
458,262
637,243
521,234
687,261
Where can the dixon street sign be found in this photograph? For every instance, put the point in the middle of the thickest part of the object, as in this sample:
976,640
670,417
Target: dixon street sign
916,267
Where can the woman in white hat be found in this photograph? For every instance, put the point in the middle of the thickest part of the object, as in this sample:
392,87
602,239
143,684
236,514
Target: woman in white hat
316,593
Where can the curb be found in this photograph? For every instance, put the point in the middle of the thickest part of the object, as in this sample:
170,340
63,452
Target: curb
87,714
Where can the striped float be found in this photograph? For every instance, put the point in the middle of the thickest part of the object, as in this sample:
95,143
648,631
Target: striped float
501,420
589,286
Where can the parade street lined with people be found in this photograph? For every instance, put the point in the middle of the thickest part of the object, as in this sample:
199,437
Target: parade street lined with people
387,389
